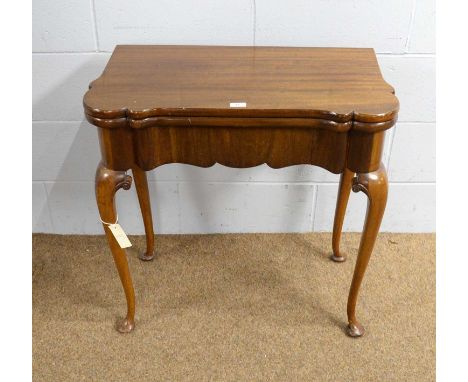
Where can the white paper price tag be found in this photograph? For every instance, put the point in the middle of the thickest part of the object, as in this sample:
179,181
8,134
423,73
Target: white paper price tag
238,104
120,235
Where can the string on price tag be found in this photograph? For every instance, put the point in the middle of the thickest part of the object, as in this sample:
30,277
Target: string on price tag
118,233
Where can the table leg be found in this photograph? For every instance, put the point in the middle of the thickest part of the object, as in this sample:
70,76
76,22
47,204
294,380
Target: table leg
108,182
375,186
344,190
141,184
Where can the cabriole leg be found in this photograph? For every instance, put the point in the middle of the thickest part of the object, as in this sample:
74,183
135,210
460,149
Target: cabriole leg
341,204
108,182
375,186
141,184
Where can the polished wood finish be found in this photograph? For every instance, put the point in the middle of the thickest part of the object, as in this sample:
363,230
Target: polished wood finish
240,147
108,182
141,185
375,186
328,107
346,181
336,84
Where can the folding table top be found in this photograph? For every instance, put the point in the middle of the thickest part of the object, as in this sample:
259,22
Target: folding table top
337,84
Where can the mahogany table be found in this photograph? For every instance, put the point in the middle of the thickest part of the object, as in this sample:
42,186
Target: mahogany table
242,107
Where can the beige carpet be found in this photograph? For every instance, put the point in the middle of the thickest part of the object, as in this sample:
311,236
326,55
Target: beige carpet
257,307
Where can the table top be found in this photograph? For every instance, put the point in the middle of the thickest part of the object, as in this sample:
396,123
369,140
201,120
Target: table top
337,84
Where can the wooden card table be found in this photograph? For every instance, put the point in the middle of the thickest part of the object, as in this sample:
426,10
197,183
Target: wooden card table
242,107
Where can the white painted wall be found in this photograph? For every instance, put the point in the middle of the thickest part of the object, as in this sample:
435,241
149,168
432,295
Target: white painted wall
72,42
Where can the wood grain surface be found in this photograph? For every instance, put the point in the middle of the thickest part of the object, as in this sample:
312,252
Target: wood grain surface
337,84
